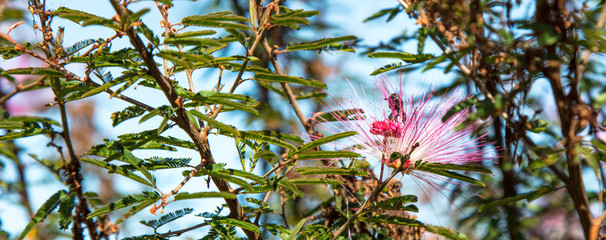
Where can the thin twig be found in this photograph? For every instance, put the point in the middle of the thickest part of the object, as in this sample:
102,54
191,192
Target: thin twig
366,204
179,232
22,87
292,99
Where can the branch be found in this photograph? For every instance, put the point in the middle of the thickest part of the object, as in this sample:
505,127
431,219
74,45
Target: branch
594,232
20,88
292,99
75,182
371,199
179,232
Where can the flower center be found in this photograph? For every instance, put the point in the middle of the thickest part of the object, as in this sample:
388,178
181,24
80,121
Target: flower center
386,128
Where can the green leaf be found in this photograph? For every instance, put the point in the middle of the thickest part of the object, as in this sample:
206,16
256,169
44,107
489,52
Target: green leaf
240,224
387,68
126,114
529,196
226,99
46,209
283,182
216,124
224,195
26,133
289,79
406,57
130,77
331,171
79,46
387,219
125,202
135,209
243,174
391,11
34,71
182,34
449,174
22,122
296,229
177,142
202,42
82,18
326,155
342,115
321,141
164,219
395,203
188,60
462,105
138,164
459,167
117,169
445,232
240,36
230,178
148,33
315,181
66,207
278,135
322,43
265,138
291,18
219,19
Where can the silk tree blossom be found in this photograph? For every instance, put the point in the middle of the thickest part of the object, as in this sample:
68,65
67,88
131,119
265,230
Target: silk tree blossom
412,127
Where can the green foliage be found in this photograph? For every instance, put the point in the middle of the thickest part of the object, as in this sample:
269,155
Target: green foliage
167,218
326,155
321,141
218,20
341,115
331,171
49,206
140,200
288,79
82,18
292,18
323,44
445,171
392,220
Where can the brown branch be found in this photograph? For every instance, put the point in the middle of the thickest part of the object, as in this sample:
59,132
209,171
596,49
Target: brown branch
594,232
371,199
179,232
550,13
22,87
75,182
292,99
183,120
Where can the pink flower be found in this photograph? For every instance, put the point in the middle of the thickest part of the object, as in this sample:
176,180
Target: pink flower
385,128
413,127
